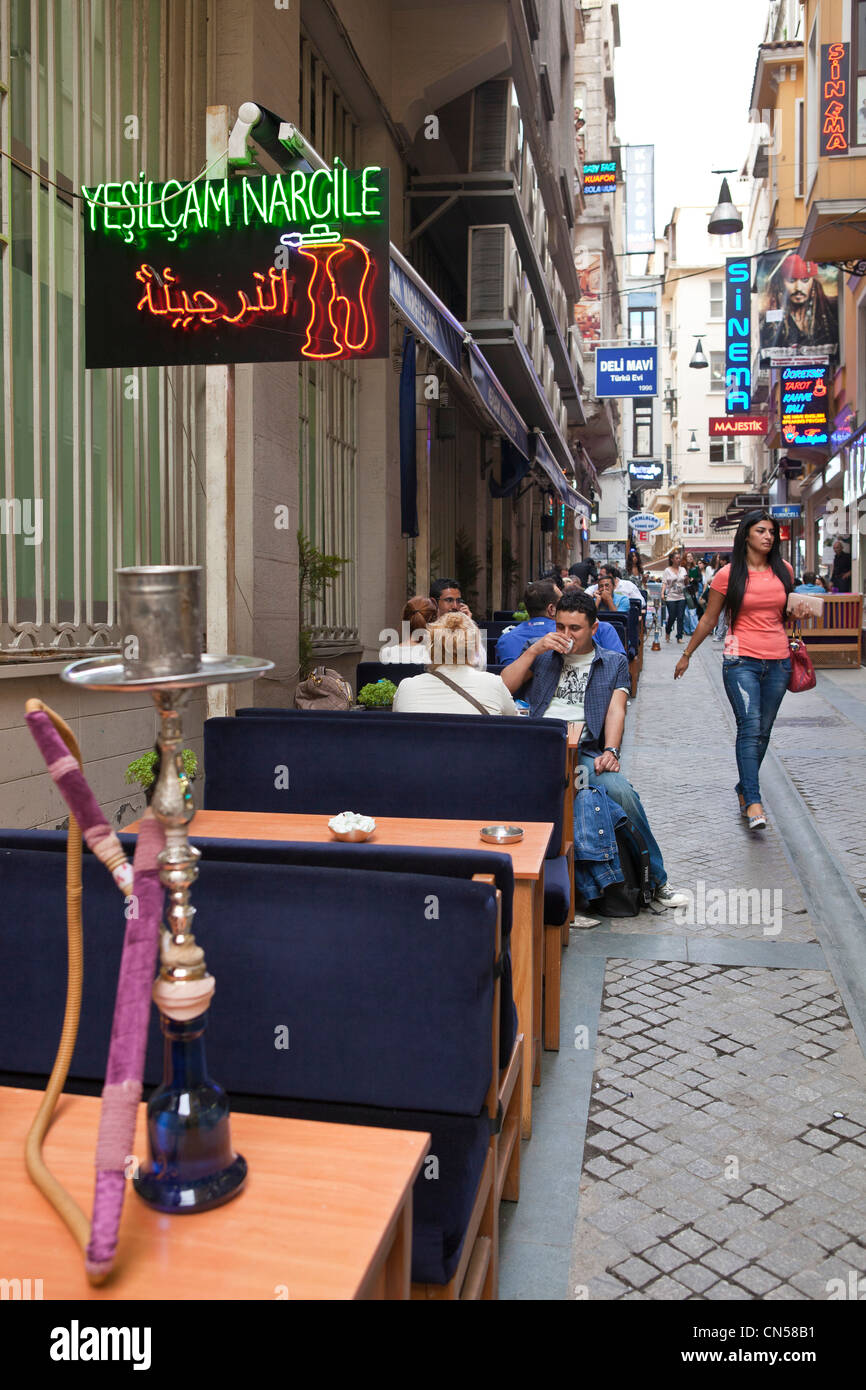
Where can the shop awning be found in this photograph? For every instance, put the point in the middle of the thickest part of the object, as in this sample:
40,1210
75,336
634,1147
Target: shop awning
496,401
561,486
424,311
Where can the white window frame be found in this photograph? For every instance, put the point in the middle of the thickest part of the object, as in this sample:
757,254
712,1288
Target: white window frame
717,300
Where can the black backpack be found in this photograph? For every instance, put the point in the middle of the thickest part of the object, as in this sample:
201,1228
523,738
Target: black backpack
630,897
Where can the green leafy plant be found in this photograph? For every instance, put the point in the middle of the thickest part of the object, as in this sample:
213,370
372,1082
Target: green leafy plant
316,572
143,769
377,693
520,616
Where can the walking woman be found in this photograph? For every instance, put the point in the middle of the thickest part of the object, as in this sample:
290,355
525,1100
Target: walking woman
753,589
674,580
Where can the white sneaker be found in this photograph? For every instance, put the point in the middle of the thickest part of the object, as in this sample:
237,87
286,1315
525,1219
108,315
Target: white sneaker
668,898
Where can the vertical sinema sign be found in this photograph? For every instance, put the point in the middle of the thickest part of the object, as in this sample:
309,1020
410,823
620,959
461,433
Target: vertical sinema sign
833,107
738,335
281,268
640,231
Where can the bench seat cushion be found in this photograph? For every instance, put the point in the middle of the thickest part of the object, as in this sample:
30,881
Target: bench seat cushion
557,891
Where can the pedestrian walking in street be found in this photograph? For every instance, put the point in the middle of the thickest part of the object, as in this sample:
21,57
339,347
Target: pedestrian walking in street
674,580
754,590
841,576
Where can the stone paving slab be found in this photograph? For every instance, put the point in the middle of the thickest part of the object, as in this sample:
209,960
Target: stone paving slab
725,1155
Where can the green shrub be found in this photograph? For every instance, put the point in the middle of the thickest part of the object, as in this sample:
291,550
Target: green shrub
377,693
142,769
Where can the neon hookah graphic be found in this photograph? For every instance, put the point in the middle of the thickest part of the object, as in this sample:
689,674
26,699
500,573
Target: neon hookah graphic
337,295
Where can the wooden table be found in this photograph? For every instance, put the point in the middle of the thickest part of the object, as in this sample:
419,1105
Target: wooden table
527,858
326,1213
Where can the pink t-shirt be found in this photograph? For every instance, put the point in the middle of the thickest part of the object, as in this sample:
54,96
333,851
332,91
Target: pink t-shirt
760,627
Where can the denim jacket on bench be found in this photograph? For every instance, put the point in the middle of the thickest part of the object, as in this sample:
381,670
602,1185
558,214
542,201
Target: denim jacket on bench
596,858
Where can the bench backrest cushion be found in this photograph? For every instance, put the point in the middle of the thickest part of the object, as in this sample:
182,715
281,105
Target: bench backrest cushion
385,1003
458,767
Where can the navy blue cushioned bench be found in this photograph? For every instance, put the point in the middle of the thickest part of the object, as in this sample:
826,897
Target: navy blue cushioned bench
619,621
390,1015
383,765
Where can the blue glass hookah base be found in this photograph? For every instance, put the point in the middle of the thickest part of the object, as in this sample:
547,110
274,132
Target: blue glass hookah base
192,1164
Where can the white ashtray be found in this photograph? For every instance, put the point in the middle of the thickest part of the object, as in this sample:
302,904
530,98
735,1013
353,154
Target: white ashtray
351,825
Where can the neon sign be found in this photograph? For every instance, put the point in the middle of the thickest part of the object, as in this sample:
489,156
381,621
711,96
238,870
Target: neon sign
738,335
834,98
600,178
279,268
804,407
739,424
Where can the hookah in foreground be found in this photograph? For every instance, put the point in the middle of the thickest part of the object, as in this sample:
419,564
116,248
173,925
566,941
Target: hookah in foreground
192,1164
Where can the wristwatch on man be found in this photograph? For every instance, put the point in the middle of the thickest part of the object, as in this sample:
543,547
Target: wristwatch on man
611,749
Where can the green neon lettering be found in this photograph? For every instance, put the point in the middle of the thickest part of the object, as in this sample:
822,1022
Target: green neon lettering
279,196
250,197
152,204
344,177
111,226
192,206
131,204
336,187
216,196
141,199
350,188
91,199
170,197
299,179
366,190
326,210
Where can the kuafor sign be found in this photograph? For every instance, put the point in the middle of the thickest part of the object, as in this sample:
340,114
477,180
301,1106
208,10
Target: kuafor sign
738,424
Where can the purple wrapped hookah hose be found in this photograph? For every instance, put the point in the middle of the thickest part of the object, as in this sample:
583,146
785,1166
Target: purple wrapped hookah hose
125,1069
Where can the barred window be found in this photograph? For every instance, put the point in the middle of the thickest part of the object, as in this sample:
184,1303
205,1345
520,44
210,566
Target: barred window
328,395
107,459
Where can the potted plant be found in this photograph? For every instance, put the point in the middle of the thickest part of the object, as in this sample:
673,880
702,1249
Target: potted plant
316,572
145,770
377,694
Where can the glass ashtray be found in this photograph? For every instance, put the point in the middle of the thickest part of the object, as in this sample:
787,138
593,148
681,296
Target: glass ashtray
502,834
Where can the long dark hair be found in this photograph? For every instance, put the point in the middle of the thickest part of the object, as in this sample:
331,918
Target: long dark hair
739,575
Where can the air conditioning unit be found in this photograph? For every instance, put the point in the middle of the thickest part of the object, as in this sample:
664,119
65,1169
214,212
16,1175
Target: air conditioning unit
538,344
555,400
496,129
547,372
494,274
547,266
526,321
562,417
528,185
539,227
560,304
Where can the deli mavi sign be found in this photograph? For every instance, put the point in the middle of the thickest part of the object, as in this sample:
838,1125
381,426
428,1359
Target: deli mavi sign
281,268
631,371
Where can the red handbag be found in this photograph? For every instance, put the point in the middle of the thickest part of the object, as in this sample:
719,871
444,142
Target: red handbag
802,675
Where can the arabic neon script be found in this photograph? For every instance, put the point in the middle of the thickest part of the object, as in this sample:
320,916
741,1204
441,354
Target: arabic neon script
327,302
201,307
279,200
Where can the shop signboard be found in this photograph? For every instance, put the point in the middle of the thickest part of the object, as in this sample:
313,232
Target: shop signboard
278,268
644,474
833,106
645,521
803,407
738,335
600,177
738,424
639,199
631,371
788,510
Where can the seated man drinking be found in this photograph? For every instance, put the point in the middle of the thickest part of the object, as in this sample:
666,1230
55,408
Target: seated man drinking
566,675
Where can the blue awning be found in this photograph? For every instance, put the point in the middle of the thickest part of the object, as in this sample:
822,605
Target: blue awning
496,402
544,458
426,313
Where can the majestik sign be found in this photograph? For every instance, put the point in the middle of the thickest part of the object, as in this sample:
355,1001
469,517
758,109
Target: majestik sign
284,267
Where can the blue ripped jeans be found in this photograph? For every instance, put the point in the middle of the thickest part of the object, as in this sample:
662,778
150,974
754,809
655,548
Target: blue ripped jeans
620,790
755,689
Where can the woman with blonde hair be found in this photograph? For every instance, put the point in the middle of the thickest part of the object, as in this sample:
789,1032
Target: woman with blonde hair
454,684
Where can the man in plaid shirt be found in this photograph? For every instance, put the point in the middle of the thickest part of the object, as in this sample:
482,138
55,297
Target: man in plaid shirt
567,675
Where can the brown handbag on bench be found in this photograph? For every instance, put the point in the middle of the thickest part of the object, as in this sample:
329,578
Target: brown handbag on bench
324,689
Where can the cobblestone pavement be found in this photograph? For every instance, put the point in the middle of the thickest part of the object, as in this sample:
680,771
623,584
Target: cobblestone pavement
725,1153
681,760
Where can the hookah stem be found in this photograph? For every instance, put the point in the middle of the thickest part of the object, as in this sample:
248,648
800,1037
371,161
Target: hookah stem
66,1206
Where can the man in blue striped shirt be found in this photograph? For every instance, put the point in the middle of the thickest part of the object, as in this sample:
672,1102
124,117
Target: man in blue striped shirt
566,675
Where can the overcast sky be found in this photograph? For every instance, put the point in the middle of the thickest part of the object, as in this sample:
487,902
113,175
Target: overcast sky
683,83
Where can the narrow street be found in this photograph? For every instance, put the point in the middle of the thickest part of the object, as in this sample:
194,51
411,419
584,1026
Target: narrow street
702,1132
